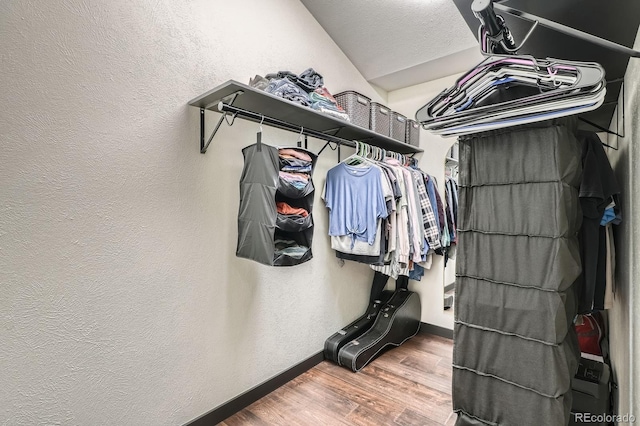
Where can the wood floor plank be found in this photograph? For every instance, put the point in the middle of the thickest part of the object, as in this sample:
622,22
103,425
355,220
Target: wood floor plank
402,390
424,361
374,402
445,362
411,372
363,416
310,409
244,417
302,415
271,409
325,397
427,363
361,379
410,417
437,346
445,371
429,360
408,385
435,404
285,406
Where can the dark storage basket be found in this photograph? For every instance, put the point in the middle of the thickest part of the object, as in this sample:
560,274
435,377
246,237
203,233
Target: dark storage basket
398,126
356,106
380,118
413,133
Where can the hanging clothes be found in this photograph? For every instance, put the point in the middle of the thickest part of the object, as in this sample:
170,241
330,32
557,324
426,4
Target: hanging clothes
355,201
451,191
599,191
450,218
383,213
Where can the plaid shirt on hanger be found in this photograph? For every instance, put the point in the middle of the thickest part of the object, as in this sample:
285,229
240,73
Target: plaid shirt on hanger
431,230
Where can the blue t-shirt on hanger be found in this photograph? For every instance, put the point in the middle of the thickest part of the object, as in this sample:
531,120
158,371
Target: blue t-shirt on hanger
355,201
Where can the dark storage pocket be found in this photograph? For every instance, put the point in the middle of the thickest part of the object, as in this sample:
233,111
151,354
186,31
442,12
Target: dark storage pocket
292,248
283,259
293,223
290,191
295,165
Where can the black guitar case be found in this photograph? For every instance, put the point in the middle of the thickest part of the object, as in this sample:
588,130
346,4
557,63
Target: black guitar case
354,330
397,321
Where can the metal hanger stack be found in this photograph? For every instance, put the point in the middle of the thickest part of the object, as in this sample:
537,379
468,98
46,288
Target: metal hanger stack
554,88
508,89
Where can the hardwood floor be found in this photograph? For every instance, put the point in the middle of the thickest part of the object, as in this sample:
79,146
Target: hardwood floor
408,385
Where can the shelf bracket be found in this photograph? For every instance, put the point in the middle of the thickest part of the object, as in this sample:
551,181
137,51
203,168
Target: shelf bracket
618,108
563,29
203,145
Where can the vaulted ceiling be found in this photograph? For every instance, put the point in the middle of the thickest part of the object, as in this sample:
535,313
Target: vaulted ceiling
399,43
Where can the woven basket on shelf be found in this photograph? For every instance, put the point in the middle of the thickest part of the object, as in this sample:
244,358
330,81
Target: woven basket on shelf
356,106
398,126
413,133
380,118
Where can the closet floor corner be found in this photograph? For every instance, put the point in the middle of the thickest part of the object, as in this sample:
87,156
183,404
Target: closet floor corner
407,385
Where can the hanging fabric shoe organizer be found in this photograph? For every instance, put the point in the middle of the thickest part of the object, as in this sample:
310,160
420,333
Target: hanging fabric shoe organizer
515,349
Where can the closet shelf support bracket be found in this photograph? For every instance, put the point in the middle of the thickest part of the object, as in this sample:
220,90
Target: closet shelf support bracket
619,107
204,145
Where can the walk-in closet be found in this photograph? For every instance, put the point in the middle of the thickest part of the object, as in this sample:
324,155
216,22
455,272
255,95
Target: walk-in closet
297,212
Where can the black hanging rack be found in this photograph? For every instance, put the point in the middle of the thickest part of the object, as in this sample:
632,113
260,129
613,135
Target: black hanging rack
568,30
237,100
504,43
496,26
274,122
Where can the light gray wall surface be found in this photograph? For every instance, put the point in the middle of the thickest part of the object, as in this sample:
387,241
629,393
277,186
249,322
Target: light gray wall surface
624,330
122,300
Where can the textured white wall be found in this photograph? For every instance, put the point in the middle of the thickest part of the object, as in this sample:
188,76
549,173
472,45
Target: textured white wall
624,318
431,289
122,300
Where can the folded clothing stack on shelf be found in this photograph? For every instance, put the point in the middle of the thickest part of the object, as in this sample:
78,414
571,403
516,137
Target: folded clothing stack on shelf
306,89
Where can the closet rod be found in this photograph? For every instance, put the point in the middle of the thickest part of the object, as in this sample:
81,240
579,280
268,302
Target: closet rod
274,122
